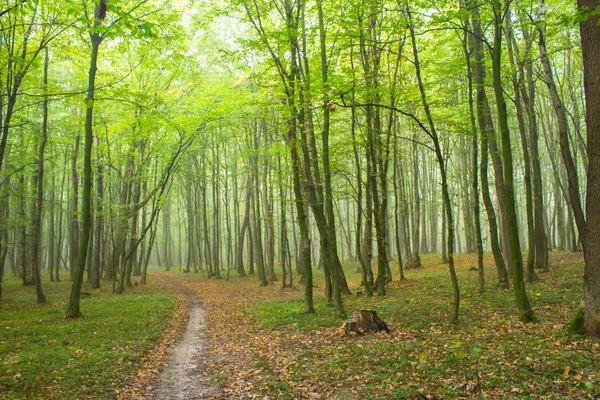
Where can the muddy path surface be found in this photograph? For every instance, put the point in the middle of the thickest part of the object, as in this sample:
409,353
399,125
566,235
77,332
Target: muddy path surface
185,377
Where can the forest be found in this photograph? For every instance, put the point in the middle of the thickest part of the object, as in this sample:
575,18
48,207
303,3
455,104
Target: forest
249,178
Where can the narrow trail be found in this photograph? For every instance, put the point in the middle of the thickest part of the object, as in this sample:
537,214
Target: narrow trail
184,377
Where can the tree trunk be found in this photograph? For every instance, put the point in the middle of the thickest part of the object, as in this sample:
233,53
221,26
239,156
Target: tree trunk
73,307
397,212
432,133
270,237
51,232
563,135
190,225
468,46
59,242
98,246
486,129
525,311
415,260
590,42
245,223
74,228
166,234
258,247
517,87
37,218
359,209
207,248
541,245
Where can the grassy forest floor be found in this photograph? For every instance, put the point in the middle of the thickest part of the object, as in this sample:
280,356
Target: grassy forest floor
262,346
45,356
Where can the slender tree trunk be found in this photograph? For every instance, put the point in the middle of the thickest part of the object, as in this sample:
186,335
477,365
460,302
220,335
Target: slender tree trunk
37,218
468,47
329,214
289,82
251,245
517,86
216,252
73,307
397,212
245,223
415,261
442,166
74,229
269,225
525,311
190,228
486,129
227,214
149,252
51,232
166,234
282,231
363,261
59,242
98,246
258,247
528,96
121,233
133,233
139,263
563,135
444,238
4,214
205,231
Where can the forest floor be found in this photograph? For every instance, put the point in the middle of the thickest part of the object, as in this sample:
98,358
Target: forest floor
257,344
262,346
45,356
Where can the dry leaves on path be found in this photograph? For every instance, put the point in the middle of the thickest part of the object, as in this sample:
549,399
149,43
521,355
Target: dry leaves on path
155,361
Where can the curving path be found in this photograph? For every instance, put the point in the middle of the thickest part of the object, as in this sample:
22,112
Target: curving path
183,377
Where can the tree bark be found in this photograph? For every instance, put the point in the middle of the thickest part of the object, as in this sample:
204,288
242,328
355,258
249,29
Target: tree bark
258,246
73,307
37,218
245,223
590,42
98,246
517,87
468,46
74,228
525,311
269,222
486,129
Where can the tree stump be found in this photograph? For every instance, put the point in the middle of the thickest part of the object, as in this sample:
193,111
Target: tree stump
364,321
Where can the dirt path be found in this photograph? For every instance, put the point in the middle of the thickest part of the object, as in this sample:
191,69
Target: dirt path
184,376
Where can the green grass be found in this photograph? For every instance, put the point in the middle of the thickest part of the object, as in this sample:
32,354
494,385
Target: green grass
43,355
289,312
488,354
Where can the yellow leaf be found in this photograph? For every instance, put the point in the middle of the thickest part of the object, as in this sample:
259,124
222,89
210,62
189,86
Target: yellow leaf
566,371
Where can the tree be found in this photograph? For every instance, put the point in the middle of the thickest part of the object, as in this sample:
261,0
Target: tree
96,39
486,129
37,219
525,311
590,40
432,133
